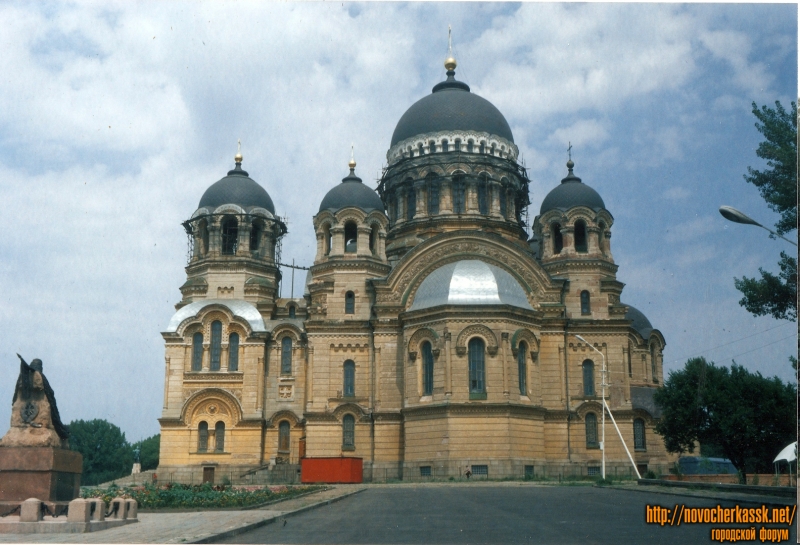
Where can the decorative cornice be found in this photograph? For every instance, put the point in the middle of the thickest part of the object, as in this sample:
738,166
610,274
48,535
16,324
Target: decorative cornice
504,148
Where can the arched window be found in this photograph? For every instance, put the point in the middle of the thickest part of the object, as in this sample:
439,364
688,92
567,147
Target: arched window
427,369
503,202
233,352
457,144
580,237
638,435
522,368
350,237
653,362
230,236
470,144
459,194
558,239
476,366
292,312
588,378
411,203
349,389
202,437
444,146
591,430
326,233
219,437
601,237
348,432
283,436
482,148
216,344
421,150
630,363
433,194
483,197
197,352
286,356
431,146
586,306
349,303
255,237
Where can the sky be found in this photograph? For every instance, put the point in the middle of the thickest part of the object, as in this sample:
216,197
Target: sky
115,118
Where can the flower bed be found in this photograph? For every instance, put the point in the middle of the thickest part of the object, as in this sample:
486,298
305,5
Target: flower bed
177,496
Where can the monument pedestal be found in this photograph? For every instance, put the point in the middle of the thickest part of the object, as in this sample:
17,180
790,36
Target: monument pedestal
48,474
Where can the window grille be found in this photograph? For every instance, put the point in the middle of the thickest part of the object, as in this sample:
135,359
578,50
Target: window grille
591,430
480,470
483,201
638,435
424,471
349,303
476,366
588,378
580,237
286,356
216,344
197,352
522,368
349,389
459,194
230,236
558,239
348,432
283,436
427,369
202,437
593,471
528,472
586,305
411,203
219,437
233,352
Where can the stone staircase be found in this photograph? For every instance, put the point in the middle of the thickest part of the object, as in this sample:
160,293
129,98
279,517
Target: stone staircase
131,480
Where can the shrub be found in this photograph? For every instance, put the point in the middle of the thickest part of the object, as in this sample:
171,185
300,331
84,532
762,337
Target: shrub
649,474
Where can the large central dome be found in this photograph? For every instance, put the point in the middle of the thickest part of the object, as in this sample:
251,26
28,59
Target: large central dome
451,107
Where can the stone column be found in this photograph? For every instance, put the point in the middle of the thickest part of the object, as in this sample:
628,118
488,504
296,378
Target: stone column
362,241
243,245
472,197
448,375
593,240
400,199
421,192
206,356
495,191
445,197
320,247
382,244
337,240
214,237
223,357
504,341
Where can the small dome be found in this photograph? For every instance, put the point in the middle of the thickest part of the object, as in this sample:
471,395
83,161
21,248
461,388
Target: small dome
640,321
469,282
450,107
351,192
571,193
237,188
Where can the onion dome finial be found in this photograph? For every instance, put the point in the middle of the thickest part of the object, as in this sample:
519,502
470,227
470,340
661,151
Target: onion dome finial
238,157
352,163
450,62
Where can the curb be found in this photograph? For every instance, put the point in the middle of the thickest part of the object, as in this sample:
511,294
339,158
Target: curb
258,524
687,495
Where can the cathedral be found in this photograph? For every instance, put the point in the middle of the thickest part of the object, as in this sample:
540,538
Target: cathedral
435,335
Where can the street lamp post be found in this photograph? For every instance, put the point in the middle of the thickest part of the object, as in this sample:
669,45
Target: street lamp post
605,408
737,216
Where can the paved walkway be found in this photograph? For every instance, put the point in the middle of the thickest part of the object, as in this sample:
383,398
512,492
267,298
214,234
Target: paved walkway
195,527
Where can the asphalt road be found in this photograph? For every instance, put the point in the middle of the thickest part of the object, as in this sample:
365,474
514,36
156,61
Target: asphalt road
502,514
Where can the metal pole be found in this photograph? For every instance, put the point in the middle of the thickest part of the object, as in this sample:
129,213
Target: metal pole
292,278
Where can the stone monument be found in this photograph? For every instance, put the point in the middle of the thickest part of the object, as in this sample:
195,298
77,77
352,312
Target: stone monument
35,460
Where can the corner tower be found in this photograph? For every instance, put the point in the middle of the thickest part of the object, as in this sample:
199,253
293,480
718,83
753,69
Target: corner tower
452,165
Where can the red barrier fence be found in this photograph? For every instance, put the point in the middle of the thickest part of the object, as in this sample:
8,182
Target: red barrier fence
331,470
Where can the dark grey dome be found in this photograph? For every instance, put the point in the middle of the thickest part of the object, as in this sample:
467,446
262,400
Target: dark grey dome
237,188
450,107
571,193
640,321
351,192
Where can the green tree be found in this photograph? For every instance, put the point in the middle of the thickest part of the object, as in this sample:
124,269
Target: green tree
107,455
747,417
771,294
149,448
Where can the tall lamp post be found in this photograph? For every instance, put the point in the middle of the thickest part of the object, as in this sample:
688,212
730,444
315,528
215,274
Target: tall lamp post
605,408
737,216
